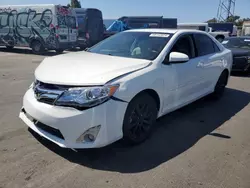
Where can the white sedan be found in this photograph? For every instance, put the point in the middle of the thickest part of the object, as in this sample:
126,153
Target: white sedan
119,87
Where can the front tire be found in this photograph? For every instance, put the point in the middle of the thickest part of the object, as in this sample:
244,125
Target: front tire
139,119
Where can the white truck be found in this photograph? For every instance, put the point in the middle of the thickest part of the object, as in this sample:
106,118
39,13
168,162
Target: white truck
246,28
219,35
40,27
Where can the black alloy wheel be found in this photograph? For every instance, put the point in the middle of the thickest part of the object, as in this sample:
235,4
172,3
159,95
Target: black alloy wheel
139,119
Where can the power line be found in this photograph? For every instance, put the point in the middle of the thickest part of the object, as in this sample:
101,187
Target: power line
225,10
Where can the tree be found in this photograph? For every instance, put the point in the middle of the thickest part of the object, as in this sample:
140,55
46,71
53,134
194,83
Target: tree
232,19
239,22
236,20
74,4
214,20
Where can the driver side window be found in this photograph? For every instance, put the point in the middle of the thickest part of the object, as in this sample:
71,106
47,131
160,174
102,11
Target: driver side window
184,45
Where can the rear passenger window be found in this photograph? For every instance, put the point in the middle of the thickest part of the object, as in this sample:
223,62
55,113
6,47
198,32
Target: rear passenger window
204,45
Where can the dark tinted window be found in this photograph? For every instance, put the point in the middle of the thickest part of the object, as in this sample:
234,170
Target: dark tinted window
204,45
184,45
202,28
243,43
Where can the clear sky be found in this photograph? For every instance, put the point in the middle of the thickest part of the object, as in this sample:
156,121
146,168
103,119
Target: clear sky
184,10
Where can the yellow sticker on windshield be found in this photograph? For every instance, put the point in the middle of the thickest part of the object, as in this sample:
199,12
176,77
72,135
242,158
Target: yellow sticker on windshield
164,35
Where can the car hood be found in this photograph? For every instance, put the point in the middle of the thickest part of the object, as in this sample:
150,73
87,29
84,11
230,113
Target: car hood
84,68
238,52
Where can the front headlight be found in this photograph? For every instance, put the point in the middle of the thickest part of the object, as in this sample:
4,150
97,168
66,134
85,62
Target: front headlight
85,97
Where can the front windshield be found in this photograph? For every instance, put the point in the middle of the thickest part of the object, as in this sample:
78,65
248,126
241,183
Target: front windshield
141,45
243,43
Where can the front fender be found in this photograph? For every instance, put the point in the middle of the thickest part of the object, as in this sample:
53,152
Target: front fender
132,85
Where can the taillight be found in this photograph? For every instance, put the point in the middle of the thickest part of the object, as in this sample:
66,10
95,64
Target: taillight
57,36
87,35
57,27
52,26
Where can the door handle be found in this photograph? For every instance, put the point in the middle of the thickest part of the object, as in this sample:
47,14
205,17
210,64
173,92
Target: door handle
200,64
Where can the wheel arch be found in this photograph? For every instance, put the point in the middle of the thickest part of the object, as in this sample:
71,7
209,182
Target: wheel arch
153,94
33,39
226,72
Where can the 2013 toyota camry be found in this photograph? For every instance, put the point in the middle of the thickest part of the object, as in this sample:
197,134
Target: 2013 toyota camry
119,87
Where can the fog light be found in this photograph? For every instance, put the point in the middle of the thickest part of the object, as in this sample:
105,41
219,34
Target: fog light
89,135
89,138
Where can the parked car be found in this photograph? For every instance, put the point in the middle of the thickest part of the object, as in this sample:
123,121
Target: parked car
240,47
90,27
219,35
119,87
40,27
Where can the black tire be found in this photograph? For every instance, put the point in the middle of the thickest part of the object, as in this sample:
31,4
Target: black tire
9,47
220,86
37,47
139,119
59,51
220,39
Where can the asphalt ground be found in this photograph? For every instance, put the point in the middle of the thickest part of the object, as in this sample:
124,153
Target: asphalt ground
206,144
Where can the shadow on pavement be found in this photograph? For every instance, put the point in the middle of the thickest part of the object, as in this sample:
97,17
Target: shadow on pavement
220,135
175,133
26,51
240,74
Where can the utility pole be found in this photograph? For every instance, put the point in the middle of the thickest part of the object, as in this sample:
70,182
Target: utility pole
225,10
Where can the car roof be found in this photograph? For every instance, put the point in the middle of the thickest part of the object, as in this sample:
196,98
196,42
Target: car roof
161,30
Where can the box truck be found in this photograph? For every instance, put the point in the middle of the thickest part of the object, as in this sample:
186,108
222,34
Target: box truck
40,27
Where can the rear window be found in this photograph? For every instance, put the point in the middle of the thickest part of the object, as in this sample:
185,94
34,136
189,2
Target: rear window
65,18
66,21
71,21
81,22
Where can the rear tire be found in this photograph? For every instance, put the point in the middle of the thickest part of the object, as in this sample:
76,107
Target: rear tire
139,119
220,86
37,47
9,47
59,51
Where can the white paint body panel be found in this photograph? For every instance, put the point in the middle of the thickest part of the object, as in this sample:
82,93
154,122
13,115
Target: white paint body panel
84,68
176,85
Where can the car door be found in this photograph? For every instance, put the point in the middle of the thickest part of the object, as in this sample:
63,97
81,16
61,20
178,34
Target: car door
210,60
187,77
188,74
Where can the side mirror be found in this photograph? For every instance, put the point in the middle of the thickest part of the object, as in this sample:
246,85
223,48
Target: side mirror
177,57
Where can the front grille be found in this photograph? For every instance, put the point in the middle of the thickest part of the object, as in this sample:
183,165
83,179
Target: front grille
48,93
47,100
49,130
